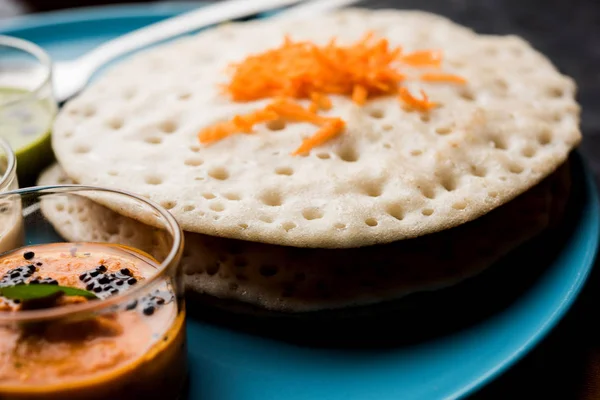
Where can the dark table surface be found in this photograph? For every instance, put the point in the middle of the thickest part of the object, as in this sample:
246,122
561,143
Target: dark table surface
568,32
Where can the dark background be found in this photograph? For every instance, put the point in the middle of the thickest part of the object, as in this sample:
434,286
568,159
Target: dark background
566,365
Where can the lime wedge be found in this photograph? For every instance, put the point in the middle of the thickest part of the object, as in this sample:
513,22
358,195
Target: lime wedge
25,123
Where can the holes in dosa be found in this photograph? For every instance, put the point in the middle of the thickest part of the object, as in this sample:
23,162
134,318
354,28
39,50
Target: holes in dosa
555,91
243,226
212,269
376,113
478,170
168,126
443,130
545,137
528,151
218,207
427,190
153,180
271,198
208,196
169,204
371,222
276,125
232,196
339,226
460,205
115,123
427,212
416,152
395,210
372,188
288,226
312,213
284,171
194,148
82,149
467,95
324,156
348,153
219,173
153,140
498,142
447,180
267,219
515,168
188,208
89,111
193,162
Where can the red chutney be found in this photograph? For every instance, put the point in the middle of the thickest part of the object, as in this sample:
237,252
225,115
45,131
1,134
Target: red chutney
137,350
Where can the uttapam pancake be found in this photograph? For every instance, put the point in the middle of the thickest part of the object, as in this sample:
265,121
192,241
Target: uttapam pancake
393,173
293,279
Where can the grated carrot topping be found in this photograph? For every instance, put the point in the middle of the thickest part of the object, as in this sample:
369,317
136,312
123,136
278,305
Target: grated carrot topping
420,104
319,102
451,78
278,109
239,123
294,112
359,94
299,70
328,131
423,58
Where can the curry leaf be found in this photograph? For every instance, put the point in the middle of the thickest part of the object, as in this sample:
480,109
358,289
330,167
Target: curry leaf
24,292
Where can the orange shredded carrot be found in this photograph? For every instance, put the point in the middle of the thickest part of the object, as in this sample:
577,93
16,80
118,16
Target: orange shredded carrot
239,123
292,111
359,94
441,77
298,69
217,132
420,104
245,123
319,102
278,109
304,70
423,58
329,130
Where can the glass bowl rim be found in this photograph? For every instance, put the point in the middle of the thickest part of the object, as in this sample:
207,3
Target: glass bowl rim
42,56
9,174
171,261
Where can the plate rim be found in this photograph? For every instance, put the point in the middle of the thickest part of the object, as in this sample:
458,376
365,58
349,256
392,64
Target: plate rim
587,261
43,19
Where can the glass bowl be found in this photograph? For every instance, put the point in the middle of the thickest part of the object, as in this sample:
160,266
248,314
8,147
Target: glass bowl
8,168
92,302
27,105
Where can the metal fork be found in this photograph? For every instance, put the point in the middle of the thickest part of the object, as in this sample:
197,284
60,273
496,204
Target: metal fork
70,77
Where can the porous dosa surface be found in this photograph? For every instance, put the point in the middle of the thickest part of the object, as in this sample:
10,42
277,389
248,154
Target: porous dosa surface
393,174
293,279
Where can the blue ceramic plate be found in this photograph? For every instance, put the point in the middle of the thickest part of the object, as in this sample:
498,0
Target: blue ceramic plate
447,352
